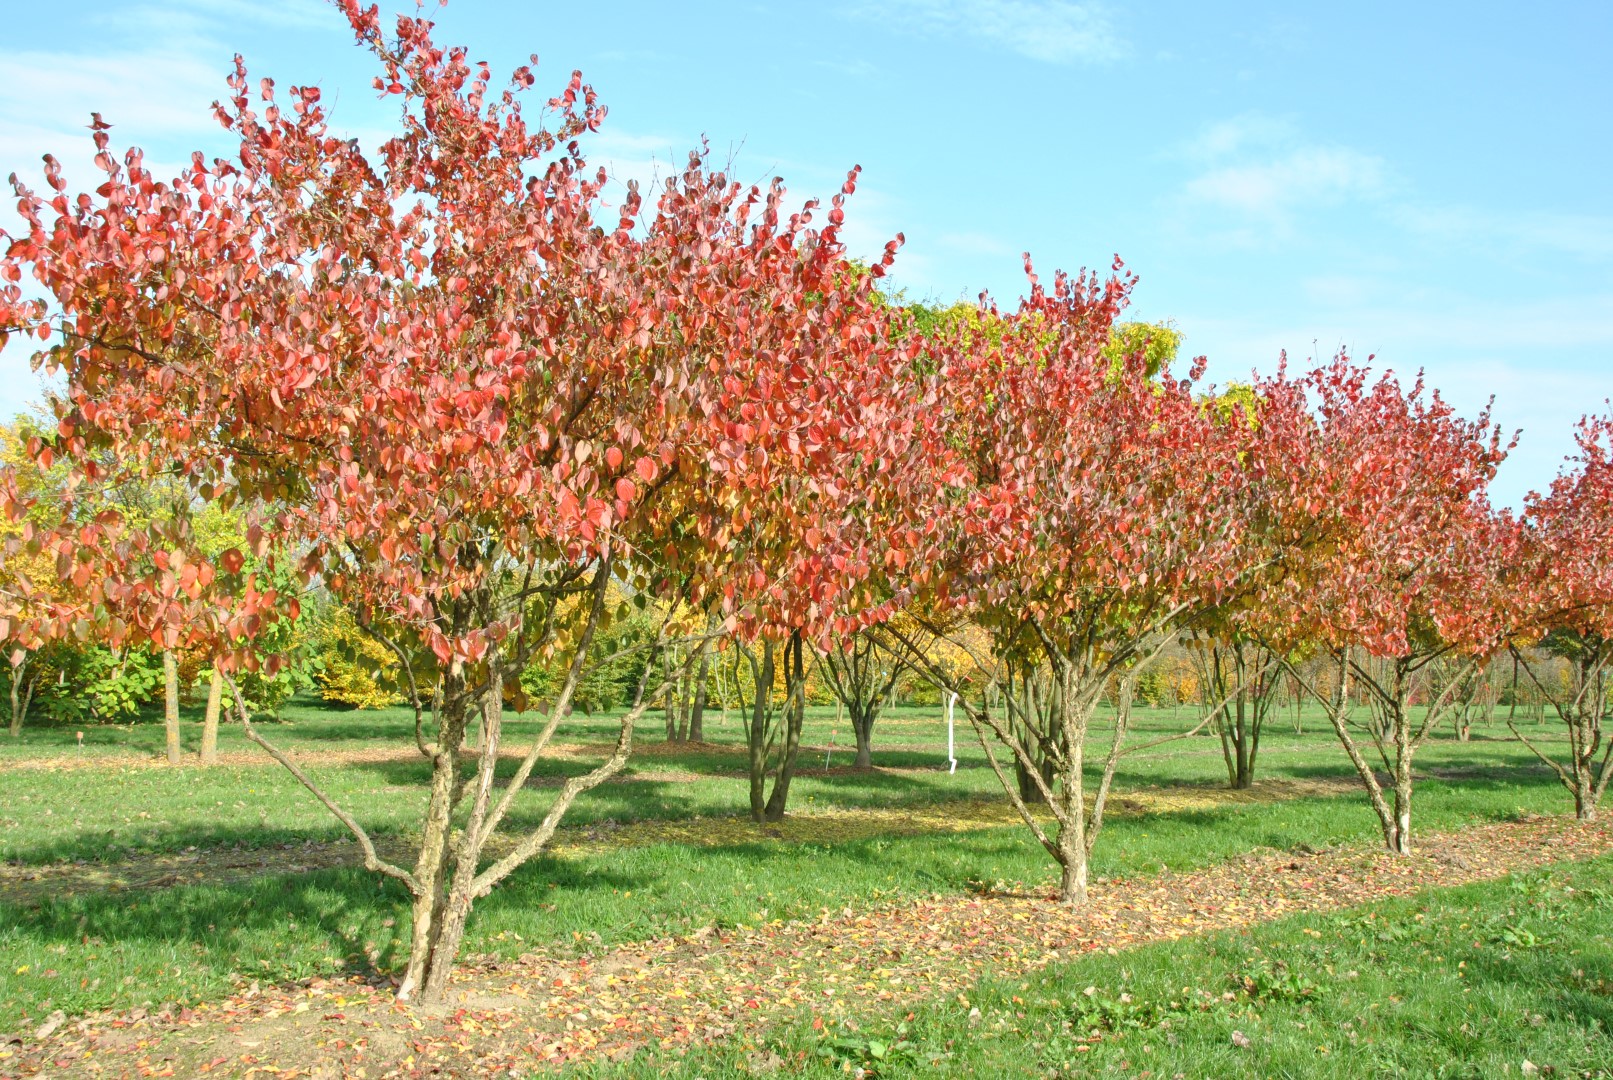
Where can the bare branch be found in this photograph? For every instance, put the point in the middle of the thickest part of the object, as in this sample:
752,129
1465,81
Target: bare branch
372,860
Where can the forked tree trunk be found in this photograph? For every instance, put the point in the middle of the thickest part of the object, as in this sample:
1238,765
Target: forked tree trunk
775,735
697,712
460,893
1236,674
456,878
1396,838
448,876
22,695
215,698
862,677
1581,707
757,734
170,704
1079,680
1398,739
794,720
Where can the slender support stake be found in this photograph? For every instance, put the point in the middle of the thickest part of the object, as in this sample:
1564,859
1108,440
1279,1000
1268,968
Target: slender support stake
840,714
952,758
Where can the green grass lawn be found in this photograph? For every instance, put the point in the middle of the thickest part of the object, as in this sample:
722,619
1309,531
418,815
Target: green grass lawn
1475,982
70,814
94,948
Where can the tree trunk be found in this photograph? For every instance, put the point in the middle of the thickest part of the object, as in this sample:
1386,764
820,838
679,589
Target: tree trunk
461,892
1027,785
1242,752
757,735
1400,839
1584,799
1075,714
1337,709
697,714
22,695
862,729
170,703
671,695
795,718
683,692
215,696
1041,719
1073,875
431,872
1244,778
431,868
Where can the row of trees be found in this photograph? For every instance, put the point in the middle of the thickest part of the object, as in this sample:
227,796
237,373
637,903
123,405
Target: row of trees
495,419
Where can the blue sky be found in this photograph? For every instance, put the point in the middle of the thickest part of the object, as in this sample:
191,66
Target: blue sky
1426,182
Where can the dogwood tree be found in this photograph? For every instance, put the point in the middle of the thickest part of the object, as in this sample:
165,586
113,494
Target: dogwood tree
1569,586
466,392
1404,581
1099,507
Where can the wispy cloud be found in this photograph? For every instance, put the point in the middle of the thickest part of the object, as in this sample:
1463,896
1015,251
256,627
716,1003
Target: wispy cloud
152,98
1224,138
1256,173
1469,347
201,18
976,243
1309,175
152,71
1586,236
1253,176
1053,31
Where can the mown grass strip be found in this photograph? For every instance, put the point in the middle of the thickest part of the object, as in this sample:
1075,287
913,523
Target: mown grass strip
194,942
1512,977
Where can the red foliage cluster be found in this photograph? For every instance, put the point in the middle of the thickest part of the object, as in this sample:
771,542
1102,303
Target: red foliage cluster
451,361
1570,564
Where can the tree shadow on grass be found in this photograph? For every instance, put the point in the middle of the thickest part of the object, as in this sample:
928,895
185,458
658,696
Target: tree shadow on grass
277,928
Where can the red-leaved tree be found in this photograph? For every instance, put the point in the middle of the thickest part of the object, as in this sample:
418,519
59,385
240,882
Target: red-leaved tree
1568,584
1404,577
466,393
1099,506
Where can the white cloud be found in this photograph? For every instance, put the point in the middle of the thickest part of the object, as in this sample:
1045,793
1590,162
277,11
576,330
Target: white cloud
1340,290
1226,137
1587,236
157,91
1254,175
198,18
977,243
1053,31
1470,349
1309,175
